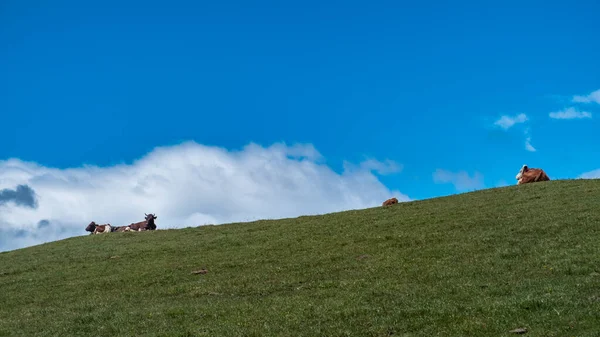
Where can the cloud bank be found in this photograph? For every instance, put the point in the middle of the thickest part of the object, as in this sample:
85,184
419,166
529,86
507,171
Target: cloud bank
461,180
185,185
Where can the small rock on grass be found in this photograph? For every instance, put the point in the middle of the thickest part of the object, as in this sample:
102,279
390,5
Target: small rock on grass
519,330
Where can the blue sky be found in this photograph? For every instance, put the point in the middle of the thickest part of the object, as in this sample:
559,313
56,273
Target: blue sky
103,83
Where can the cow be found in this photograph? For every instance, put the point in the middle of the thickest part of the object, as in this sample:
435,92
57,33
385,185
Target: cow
121,229
531,175
147,224
94,228
390,202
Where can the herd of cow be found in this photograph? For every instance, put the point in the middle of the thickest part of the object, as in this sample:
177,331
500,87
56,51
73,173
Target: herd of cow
525,175
146,225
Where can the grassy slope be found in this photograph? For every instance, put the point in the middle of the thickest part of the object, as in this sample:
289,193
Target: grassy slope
475,264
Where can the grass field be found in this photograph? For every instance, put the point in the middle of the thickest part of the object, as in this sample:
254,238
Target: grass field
474,264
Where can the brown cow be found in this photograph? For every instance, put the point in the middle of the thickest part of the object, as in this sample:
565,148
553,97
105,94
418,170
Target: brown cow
390,202
531,175
94,228
147,224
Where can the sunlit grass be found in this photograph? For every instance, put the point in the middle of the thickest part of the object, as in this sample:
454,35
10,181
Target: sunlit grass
475,264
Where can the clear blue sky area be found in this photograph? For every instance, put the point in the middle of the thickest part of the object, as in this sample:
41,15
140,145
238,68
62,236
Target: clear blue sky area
420,83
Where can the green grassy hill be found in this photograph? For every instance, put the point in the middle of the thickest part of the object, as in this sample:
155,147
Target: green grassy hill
474,264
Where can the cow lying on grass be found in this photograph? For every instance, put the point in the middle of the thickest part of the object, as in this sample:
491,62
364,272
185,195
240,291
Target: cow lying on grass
531,175
94,228
147,224
389,202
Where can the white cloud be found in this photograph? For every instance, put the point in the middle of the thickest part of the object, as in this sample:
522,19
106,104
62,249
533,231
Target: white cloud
528,145
593,97
461,180
570,113
595,174
185,185
506,122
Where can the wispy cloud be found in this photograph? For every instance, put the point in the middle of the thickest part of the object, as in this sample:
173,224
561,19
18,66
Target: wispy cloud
595,174
461,180
593,97
570,113
381,167
506,122
528,145
185,185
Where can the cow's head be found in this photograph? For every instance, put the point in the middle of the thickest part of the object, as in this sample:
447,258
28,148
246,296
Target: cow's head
150,221
523,170
91,227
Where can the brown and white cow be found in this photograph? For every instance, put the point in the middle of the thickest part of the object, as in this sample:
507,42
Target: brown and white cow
531,175
389,202
94,228
147,224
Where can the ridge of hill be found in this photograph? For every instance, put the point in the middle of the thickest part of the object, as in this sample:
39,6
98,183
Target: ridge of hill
474,264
